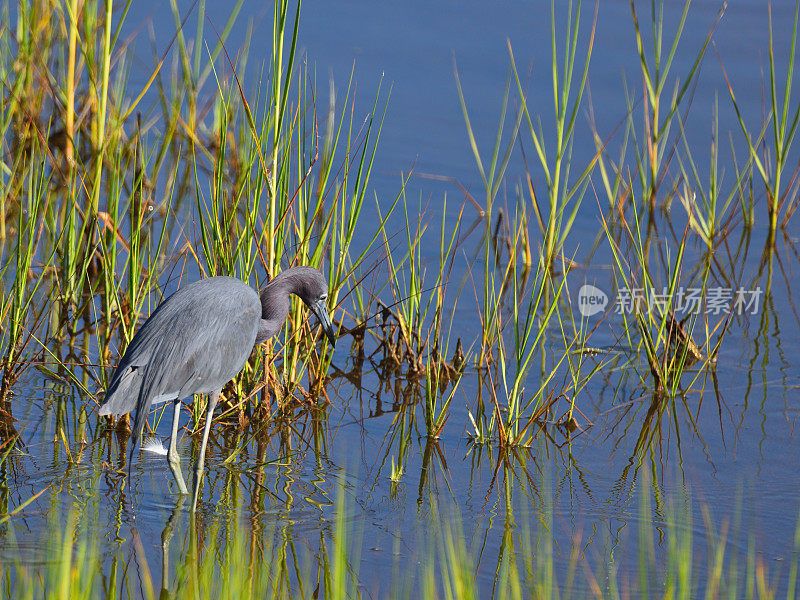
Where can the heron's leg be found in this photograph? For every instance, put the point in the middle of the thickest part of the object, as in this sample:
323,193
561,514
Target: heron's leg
172,455
201,460
166,536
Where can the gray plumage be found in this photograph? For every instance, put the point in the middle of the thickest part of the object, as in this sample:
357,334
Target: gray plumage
199,338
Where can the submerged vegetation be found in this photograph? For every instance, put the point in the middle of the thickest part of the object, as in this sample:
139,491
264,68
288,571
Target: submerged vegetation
117,188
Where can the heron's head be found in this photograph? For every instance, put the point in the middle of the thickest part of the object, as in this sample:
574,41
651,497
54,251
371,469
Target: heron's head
310,285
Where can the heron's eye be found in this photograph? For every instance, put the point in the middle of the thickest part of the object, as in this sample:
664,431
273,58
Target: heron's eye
323,296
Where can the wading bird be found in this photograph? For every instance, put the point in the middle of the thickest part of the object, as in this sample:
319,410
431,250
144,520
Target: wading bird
197,340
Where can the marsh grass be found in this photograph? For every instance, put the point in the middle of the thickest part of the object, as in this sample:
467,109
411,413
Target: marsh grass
554,149
228,558
519,297
530,312
769,145
655,168
654,152
709,208
20,307
100,193
278,178
650,324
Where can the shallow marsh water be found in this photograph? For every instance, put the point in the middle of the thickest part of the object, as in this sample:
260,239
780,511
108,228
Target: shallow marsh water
733,449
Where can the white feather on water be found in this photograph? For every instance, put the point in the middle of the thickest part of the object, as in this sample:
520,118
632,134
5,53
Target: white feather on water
154,445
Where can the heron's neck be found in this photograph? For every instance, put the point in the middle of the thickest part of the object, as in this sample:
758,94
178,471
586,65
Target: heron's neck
274,307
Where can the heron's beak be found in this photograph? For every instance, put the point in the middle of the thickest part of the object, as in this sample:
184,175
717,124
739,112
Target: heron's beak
320,309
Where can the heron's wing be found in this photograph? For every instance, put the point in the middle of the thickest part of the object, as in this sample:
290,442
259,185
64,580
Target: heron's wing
122,392
154,378
123,389
202,344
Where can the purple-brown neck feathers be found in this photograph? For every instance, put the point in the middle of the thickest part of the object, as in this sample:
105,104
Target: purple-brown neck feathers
306,282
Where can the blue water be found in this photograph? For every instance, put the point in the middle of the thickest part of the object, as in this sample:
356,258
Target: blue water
734,452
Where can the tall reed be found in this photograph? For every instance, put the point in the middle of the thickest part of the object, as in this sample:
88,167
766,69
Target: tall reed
769,146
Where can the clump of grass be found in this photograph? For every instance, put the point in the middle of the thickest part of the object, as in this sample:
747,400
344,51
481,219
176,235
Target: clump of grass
517,305
21,308
418,336
653,157
492,178
563,195
312,206
769,147
518,383
649,308
707,205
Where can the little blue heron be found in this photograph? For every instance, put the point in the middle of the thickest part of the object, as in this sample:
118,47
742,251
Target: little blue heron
197,340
